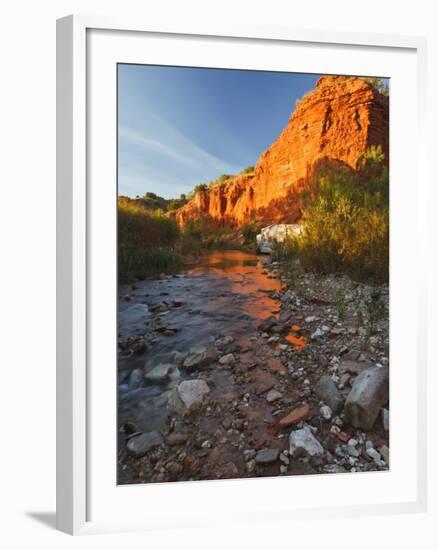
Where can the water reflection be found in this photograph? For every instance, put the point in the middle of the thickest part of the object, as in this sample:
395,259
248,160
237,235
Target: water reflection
242,274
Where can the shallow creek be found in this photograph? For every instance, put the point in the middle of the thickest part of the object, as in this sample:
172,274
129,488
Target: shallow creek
226,294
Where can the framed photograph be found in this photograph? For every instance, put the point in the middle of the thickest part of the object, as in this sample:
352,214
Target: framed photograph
241,296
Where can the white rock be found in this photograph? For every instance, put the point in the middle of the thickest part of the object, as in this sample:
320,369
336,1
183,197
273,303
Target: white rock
275,233
326,412
304,443
188,396
284,459
375,455
272,396
249,453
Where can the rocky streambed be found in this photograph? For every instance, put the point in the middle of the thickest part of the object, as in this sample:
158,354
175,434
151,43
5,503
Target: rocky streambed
235,368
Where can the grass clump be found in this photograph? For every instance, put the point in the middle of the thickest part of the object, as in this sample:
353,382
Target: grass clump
146,242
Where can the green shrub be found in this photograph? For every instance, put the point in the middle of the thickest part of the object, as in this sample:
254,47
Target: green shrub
200,187
221,179
346,221
248,170
250,230
378,84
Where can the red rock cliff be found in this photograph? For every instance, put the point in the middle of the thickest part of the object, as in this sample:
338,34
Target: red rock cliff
336,122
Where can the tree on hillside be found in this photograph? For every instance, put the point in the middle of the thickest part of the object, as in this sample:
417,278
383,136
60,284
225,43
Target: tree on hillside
378,84
200,187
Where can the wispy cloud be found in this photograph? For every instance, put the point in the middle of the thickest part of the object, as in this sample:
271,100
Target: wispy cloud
170,143
154,145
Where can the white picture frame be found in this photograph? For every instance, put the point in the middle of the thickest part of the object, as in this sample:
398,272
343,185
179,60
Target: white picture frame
76,398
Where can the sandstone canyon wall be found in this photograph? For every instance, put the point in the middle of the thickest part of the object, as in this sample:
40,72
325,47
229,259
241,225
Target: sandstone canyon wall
335,123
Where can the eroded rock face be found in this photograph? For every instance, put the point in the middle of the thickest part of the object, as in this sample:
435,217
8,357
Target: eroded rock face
333,124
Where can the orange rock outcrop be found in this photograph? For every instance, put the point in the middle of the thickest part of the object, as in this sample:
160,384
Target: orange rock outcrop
335,123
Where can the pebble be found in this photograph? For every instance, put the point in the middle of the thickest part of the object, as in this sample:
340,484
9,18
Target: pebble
326,412
174,440
266,456
159,374
284,459
296,416
317,334
304,443
249,454
385,419
273,395
188,396
228,359
138,446
372,453
352,451
384,451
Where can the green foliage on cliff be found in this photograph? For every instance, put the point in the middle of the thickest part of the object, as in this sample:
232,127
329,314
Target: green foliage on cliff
153,202
200,187
346,221
248,170
378,84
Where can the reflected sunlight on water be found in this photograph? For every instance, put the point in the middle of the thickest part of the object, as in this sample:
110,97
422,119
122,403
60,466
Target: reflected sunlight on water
299,342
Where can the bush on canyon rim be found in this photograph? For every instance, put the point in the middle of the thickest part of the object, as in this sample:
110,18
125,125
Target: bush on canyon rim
145,242
346,221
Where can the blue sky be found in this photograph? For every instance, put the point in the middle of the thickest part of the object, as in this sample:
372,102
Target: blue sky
182,126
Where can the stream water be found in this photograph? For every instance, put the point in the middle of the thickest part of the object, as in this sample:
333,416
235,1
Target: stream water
219,305
225,294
